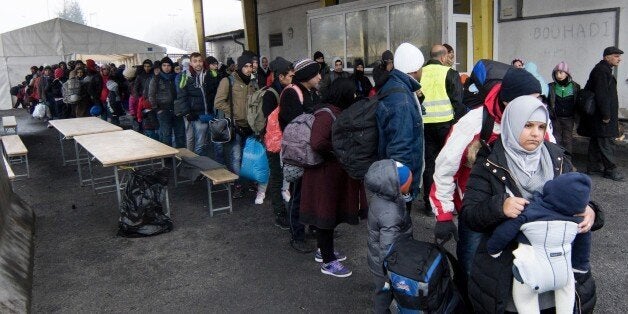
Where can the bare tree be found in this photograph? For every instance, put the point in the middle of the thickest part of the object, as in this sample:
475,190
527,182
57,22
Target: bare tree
72,12
182,38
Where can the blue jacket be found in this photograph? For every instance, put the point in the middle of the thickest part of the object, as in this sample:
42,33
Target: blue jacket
401,126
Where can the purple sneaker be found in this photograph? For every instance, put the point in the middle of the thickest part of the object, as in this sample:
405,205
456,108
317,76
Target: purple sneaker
319,258
335,269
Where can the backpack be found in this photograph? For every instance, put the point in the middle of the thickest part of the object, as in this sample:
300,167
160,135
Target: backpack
295,144
254,114
70,91
273,136
486,73
14,90
355,135
420,277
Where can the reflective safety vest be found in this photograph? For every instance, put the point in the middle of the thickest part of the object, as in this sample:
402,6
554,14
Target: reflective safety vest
437,105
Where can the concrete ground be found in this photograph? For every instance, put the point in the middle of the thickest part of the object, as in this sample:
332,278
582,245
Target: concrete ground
236,262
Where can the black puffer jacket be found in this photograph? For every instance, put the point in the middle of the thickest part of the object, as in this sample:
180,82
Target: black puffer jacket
490,282
162,92
192,94
604,85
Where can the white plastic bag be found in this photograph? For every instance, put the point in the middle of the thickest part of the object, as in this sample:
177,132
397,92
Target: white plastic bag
40,111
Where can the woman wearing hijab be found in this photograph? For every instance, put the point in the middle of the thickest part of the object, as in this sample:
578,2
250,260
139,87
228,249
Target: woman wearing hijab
501,184
329,196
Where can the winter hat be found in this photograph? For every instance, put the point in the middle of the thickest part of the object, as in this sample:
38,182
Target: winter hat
129,73
90,64
157,64
167,60
387,56
59,73
305,69
244,59
147,61
408,58
357,62
280,65
211,60
518,82
405,177
318,54
562,66
568,193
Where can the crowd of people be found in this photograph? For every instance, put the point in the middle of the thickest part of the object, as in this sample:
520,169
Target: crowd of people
495,153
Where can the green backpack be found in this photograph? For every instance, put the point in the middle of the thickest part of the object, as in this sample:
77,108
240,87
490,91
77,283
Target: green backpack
254,115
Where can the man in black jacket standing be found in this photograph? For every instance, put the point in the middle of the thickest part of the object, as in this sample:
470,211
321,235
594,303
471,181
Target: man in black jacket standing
603,126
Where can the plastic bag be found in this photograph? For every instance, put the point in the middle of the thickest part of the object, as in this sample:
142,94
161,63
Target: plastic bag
254,161
142,213
292,173
40,111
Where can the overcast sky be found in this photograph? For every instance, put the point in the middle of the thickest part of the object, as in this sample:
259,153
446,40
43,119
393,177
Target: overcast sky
155,21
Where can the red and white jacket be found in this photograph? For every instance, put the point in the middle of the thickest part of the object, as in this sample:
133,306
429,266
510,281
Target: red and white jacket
452,168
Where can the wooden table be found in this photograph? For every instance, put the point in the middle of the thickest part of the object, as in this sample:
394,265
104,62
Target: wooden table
69,128
120,148
9,122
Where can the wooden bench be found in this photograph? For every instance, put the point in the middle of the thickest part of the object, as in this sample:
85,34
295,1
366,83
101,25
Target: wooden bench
9,123
16,152
10,173
214,178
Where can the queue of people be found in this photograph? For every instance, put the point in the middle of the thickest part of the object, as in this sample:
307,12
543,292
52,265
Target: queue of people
497,166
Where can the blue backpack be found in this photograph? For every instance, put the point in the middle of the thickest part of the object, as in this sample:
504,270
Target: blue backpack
420,277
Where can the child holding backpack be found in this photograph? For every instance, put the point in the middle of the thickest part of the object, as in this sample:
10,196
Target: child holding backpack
388,221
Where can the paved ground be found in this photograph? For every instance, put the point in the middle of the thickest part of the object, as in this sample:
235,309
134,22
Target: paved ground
236,262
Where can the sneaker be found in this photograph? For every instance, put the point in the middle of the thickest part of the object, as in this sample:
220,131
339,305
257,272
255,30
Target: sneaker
319,258
286,195
282,222
335,269
237,191
302,246
614,175
259,198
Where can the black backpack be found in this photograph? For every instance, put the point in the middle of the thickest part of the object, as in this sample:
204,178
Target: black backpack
15,90
355,136
420,277
486,73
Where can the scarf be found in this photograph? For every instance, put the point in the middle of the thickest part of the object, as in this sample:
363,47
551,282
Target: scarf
530,169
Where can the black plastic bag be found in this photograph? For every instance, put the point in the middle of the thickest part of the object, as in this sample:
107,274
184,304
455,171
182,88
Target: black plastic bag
142,213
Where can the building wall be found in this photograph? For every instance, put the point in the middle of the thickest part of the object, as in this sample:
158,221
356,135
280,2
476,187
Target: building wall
277,17
591,32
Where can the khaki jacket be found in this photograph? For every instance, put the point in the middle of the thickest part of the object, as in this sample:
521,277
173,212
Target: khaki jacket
241,97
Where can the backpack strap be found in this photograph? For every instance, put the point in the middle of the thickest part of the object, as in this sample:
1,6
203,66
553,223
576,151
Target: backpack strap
272,90
333,116
231,99
487,126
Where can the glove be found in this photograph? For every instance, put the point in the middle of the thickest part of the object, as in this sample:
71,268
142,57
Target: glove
191,117
445,229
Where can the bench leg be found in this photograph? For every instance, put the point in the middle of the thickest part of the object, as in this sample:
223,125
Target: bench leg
229,196
167,203
78,163
209,197
118,194
174,171
28,172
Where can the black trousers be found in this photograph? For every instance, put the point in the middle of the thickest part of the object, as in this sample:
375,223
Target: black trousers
275,182
435,135
601,150
325,242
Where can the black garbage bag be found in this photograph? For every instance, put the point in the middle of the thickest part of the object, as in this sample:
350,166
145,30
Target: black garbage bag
142,213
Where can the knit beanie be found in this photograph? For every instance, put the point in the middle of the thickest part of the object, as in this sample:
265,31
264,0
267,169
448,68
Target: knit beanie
90,64
517,82
387,55
305,69
167,60
280,65
318,54
568,193
243,60
58,73
147,61
562,66
405,177
408,58
211,60
129,73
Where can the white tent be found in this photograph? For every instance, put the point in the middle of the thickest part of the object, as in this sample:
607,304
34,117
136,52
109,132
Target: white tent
58,40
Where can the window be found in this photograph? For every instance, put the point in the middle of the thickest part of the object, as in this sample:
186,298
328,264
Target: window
462,6
275,40
419,23
328,36
366,36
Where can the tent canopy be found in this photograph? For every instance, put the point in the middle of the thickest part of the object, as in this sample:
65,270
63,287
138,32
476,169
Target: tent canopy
58,40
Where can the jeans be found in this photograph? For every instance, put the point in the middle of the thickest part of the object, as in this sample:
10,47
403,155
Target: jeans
196,134
233,150
468,243
154,134
170,124
383,296
275,183
297,229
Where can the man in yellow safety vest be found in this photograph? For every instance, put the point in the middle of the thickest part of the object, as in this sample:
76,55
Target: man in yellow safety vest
442,100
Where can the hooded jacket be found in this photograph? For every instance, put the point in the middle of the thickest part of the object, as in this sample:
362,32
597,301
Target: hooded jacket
400,125
388,219
192,94
162,91
562,105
